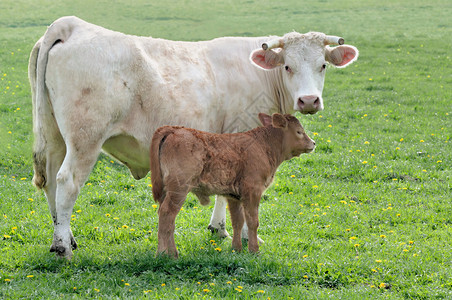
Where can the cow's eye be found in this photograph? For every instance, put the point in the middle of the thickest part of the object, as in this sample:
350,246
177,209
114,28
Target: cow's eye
323,67
288,69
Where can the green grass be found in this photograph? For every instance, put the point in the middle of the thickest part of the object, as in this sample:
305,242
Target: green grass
368,215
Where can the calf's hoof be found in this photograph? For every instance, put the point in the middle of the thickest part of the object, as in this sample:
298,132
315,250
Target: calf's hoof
168,254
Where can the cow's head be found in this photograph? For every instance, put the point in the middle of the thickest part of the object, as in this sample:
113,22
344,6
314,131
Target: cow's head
303,59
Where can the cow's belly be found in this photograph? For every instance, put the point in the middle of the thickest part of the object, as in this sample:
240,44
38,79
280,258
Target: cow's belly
130,152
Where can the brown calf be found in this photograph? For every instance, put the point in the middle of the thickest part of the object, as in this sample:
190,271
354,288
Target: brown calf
239,166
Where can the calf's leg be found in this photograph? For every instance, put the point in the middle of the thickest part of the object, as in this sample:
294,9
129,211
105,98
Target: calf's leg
168,210
236,210
251,211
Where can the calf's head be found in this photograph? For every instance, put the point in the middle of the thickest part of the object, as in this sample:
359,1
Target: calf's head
302,59
295,139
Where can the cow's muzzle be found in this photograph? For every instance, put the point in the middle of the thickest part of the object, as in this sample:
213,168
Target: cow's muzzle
309,104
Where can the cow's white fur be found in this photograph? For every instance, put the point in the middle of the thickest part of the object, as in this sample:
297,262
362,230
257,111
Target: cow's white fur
96,89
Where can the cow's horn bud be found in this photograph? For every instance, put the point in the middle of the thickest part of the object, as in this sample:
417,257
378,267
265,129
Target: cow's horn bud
276,43
333,40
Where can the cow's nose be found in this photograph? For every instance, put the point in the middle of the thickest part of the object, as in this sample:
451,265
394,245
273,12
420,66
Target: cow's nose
309,104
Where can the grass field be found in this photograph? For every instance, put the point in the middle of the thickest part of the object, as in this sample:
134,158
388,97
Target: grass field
367,215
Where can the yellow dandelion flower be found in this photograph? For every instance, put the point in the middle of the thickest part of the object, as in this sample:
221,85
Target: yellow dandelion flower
238,290
218,249
378,260
229,282
383,236
348,229
30,276
422,141
154,205
126,284
411,242
206,290
405,250
107,215
261,291
373,270
364,162
125,226
163,284
382,285
315,133
353,237
293,176
366,143
356,245
305,256
305,276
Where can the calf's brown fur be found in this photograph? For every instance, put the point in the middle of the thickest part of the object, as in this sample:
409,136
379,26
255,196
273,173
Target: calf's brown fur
239,166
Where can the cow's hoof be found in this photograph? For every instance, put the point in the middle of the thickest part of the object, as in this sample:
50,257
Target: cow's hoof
61,252
73,243
220,232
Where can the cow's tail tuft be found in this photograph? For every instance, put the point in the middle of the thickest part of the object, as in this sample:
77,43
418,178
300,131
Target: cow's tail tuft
158,140
44,124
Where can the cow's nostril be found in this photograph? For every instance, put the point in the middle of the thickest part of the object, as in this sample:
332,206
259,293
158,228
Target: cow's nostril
316,102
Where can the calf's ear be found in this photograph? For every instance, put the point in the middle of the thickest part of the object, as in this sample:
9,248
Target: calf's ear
279,121
266,59
341,56
265,119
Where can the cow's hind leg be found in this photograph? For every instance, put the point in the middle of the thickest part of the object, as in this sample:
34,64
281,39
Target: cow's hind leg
74,171
55,157
218,220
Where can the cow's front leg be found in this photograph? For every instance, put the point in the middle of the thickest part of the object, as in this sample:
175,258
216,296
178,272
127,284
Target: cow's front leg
218,220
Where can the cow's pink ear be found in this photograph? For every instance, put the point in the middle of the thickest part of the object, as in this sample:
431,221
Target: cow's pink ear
341,56
265,119
279,121
266,59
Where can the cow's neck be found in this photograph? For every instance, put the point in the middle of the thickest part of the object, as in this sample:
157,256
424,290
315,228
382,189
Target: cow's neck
277,91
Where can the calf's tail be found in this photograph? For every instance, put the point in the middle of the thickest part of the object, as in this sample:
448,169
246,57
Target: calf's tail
158,186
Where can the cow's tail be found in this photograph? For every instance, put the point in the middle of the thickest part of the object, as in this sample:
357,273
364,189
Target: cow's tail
44,124
159,138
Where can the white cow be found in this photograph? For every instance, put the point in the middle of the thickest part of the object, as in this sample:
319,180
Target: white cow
94,89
